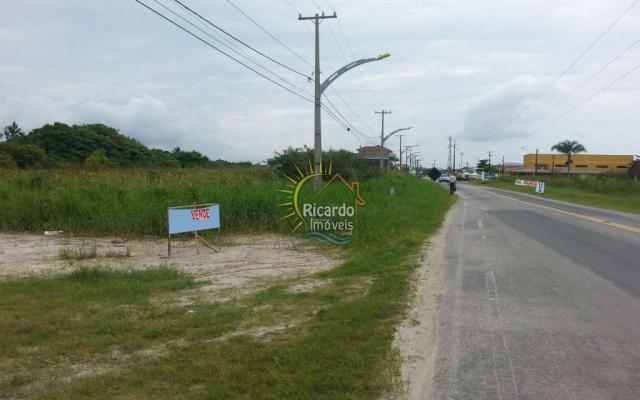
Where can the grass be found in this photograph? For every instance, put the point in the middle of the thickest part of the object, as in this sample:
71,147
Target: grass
615,193
97,333
134,201
84,252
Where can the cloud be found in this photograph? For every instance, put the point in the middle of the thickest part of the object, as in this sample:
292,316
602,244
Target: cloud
152,121
507,110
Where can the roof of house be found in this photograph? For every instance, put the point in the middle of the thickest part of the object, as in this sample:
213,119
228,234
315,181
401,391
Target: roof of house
376,150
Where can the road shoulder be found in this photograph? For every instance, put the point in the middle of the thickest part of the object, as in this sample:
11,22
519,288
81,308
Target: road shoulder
416,338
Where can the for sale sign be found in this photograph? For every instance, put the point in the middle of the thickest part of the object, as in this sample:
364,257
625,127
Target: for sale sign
540,187
522,182
193,218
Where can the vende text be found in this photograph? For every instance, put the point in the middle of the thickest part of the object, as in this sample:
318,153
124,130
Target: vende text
202,213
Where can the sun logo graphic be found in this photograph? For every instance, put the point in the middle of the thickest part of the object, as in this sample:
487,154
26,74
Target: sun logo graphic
328,214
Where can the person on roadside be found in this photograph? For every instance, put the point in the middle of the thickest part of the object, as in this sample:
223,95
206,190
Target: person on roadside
452,184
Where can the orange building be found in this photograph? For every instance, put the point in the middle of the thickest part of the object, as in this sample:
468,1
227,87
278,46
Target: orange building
580,163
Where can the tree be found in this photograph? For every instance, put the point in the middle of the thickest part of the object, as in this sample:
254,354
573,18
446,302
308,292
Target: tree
486,167
13,132
569,147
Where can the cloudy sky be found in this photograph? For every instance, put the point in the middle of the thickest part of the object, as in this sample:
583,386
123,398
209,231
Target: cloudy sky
465,69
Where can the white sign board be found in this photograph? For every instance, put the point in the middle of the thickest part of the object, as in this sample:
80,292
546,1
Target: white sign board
521,182
540,187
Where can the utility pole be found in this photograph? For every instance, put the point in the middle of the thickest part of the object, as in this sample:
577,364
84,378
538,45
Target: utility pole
489,153
317,138
461,155
407,153
400,153
535,168
383,112
449,159
503,166
454,156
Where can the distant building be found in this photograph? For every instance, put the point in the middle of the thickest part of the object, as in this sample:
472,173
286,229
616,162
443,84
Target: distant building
580,164
375,153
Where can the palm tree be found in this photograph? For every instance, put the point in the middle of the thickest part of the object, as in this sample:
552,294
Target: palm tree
569,147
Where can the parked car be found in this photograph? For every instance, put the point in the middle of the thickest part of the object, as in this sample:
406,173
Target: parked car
443,178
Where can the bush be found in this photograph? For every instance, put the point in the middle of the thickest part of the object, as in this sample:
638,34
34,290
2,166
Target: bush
24,155
6,161
350,165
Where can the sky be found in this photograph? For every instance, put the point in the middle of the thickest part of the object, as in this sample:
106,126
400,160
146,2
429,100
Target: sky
492,74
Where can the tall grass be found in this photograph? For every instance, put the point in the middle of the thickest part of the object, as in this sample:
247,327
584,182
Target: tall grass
135,201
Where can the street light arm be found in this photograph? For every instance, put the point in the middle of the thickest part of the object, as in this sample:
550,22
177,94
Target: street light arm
394,132
348,67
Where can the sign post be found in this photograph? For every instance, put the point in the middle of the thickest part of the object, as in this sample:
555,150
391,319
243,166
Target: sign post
540,187
192,219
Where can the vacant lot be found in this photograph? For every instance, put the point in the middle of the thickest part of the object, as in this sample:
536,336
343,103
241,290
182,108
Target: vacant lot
172,331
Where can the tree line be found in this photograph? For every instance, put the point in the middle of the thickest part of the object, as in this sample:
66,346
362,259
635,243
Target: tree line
60,145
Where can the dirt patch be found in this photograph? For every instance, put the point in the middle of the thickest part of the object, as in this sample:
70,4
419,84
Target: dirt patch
244,262
416,338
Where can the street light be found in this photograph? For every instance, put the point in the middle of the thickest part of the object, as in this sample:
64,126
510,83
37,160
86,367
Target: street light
406,152
384,138
319,90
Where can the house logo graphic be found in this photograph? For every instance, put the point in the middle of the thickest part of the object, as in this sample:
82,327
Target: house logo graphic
328,214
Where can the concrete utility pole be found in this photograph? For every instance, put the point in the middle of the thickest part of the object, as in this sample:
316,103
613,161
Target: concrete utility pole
400,152
407,152
449,159
461,155
489,153
320,87
535,167
383,113
454,156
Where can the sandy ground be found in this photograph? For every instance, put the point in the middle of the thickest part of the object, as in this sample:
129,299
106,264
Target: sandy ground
242,262
416,338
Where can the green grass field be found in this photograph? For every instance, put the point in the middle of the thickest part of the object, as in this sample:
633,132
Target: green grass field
105,334
134,201
621,194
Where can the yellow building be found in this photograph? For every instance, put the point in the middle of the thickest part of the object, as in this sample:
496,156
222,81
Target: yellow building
580,163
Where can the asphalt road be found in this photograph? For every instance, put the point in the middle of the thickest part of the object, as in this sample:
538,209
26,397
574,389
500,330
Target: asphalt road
543,301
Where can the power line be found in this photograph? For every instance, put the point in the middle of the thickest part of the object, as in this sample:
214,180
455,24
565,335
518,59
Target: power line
591,46
241,41
232,48
331,114
269,33
335,114
621,77
584,83
221,51
575,107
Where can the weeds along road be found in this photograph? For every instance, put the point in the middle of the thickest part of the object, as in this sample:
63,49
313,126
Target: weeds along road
543,301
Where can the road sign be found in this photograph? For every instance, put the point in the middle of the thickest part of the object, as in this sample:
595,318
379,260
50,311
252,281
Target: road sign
540,187
434,174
